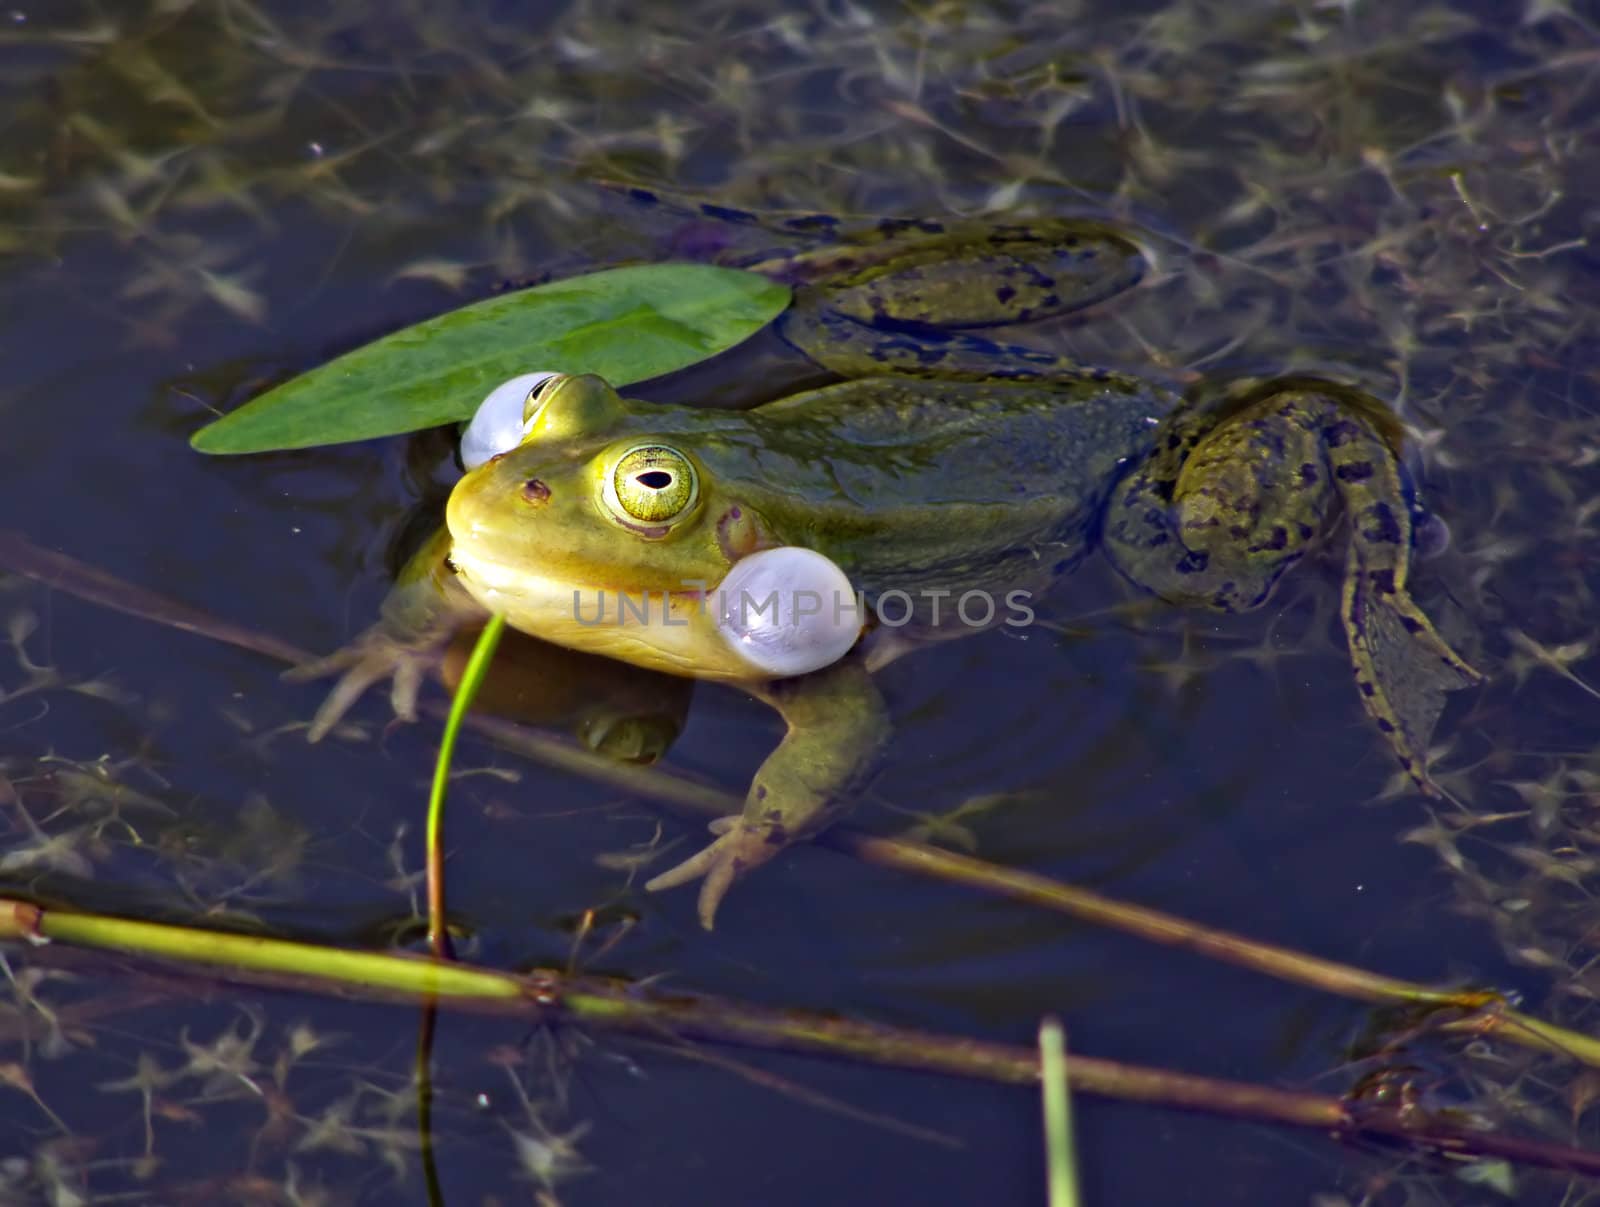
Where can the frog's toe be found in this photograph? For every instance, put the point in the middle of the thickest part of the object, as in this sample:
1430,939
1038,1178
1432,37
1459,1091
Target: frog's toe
740,848
407,687
350,688
364,664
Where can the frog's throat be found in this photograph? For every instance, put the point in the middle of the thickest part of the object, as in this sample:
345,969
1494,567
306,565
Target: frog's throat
674,632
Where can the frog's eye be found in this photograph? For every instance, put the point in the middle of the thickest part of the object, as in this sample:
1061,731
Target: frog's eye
541,390
501,421
653,484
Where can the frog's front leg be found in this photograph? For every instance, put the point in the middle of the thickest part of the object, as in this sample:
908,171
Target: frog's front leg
838,727
1219,509
424,609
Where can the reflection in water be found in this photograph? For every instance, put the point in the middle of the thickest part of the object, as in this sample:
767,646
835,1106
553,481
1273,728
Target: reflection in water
615,709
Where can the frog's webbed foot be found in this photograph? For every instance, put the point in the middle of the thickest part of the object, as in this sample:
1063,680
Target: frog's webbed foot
373,657
740,847
1404,669
838,726
422,612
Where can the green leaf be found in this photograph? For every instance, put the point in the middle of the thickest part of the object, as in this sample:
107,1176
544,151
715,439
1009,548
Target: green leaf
625,324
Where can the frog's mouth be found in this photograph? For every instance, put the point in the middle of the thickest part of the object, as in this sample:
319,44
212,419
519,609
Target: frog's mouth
670,631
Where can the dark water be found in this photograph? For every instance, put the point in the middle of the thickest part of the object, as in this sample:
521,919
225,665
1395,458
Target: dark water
199,199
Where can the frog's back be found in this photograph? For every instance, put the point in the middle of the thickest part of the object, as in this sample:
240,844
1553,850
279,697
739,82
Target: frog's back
911,484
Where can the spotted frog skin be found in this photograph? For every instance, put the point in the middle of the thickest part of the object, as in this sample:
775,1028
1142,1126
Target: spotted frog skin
946,460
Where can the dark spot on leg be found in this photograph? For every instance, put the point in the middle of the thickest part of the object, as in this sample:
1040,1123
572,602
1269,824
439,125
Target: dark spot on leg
761,792
812,221
1367,689
1356,471
1004,294
1308,474
726,214
1278,540
1411,624
1385,726
1341,433
1382,581
1380,525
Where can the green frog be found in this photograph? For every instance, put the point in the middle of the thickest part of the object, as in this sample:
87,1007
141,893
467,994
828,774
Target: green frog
950,475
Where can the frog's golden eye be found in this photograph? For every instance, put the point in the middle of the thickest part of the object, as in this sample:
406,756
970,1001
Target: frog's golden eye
654,484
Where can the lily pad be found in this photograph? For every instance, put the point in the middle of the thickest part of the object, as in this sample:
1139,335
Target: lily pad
625,324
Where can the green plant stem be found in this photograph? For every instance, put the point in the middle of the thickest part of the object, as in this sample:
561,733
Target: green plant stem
471,677
649,1011
378,973
1059,1152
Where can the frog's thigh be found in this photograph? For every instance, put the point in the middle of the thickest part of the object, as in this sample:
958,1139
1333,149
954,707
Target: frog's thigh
1255,493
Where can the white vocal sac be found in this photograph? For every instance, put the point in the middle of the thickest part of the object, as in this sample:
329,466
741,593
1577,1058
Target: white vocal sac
500,422
788,611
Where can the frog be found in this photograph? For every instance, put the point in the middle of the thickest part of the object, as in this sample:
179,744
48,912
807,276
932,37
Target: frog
946,464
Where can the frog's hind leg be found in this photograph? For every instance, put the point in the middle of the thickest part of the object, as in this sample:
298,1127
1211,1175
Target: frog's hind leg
1209,517
1219,509
907,300
1404,669
853,349
966,273
788,224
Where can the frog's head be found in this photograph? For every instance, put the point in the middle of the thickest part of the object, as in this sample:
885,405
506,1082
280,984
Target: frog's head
604,530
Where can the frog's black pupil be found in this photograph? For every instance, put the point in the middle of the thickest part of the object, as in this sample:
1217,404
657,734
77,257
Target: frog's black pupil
655,479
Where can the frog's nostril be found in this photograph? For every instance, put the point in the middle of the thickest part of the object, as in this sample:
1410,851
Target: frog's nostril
535,491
